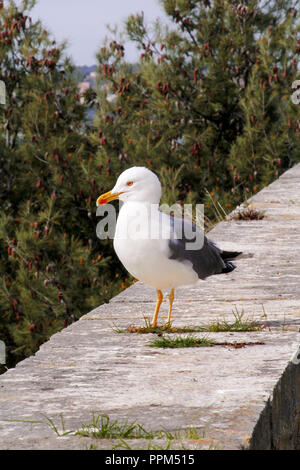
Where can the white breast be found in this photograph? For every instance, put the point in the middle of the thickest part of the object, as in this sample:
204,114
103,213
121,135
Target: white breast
141,243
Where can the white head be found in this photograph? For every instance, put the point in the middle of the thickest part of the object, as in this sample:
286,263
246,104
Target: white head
135,184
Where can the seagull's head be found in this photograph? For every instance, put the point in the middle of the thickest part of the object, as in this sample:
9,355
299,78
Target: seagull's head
136,184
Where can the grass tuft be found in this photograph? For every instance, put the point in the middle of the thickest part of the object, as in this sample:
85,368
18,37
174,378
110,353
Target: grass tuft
194,342
181,342
239,324
159,329
102,427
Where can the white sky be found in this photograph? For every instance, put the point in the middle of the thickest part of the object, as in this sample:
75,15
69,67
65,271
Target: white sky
83,22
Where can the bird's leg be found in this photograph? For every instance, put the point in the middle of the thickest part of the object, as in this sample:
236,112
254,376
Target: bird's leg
171,299
158,304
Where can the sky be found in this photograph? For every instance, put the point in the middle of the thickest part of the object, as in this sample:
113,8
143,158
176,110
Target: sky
83,23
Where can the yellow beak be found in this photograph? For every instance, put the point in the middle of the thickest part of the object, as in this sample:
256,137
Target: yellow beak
106,198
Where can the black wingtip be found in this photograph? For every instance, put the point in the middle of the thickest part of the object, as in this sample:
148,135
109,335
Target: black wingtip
230,255
229,267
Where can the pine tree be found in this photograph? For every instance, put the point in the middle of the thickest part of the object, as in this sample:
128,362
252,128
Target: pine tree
270,139
52,268
184,108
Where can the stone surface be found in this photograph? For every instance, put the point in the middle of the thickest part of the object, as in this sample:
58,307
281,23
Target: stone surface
235,397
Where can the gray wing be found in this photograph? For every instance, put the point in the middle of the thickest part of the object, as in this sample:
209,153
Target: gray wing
207,260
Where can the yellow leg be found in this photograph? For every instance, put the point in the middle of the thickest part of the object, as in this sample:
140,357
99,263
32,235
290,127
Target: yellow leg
158,304
171,299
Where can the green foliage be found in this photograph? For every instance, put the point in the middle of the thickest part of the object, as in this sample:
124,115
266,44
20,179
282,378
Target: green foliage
52,266
209,98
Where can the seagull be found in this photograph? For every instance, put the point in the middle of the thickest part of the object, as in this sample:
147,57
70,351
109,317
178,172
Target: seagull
153,246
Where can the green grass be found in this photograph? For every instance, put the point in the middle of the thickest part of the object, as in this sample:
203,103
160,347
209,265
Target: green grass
237,324
194,342
64,431
181,342
159,329
102,427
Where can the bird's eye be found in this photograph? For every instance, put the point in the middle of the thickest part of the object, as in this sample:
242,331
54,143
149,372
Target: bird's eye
129,183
